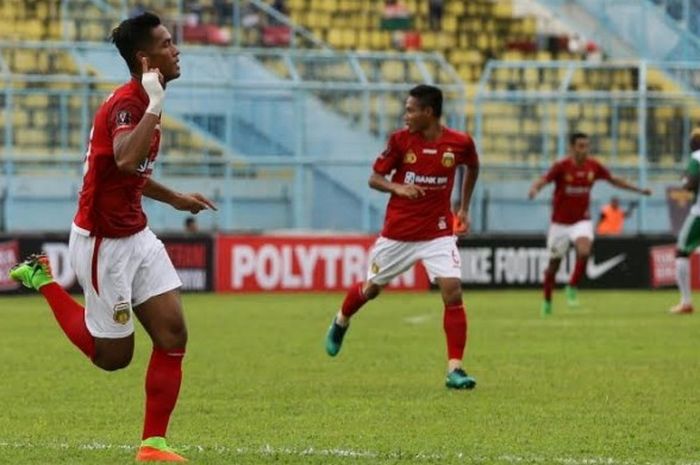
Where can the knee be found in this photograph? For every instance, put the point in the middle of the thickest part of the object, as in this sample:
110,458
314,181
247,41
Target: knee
174,336
553,266
112,361
372,291
452,294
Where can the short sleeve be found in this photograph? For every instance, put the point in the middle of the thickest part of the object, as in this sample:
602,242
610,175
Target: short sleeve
553,173
602,172
390,158
693,168
125,114
468,156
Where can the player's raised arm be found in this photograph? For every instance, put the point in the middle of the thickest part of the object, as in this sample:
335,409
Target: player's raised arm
131,148
624,184
382,184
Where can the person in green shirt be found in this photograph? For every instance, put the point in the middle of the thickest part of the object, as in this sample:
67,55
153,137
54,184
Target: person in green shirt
689,235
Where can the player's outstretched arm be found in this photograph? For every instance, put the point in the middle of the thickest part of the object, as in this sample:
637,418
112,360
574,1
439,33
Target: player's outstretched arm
131,148
536,187
193,203
623,184
382,184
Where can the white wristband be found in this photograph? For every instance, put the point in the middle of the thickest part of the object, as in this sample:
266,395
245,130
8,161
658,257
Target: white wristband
155,92
154,108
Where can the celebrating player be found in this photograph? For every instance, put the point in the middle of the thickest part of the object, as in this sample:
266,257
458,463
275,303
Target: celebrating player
419,223
689,235
121,265
573,179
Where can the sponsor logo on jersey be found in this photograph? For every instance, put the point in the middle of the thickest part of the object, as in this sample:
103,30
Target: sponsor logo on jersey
146,166
577,190
122,313
413,178
442,223
410,158
448,159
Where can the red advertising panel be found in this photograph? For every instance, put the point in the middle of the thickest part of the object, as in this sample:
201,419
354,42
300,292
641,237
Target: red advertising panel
300,263
662,260
9,256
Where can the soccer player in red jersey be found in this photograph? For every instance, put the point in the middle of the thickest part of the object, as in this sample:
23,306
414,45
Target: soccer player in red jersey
121,265
423,158
573,179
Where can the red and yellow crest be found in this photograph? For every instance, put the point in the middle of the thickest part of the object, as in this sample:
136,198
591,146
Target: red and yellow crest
410,157
448,159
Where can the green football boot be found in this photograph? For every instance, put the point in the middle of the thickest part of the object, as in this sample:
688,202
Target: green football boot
34,272
571,296
334,338
546,309
459,379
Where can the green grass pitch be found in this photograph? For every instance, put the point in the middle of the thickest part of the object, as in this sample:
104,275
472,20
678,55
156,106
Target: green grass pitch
614,382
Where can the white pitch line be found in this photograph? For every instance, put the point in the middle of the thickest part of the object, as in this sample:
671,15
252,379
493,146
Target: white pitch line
418,319
269,450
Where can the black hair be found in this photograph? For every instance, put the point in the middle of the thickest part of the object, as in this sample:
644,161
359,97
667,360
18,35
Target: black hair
190,220
134,35
695,140
576,136
428,96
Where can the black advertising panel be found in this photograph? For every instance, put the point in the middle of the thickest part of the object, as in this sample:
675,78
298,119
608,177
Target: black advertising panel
520,261
192,257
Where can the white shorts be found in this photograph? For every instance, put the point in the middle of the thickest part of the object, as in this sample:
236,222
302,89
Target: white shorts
123,274
389,258
561,236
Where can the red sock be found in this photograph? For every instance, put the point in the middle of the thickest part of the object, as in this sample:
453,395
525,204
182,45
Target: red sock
354,299
70,316
163,380
579,270
455,324
548,285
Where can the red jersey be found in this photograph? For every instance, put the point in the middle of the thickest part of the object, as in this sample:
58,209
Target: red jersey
572,188
110,200
428,164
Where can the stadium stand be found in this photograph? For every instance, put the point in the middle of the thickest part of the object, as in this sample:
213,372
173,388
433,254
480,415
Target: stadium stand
39,93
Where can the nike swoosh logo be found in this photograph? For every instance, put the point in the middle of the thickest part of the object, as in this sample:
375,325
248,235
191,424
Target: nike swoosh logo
596,270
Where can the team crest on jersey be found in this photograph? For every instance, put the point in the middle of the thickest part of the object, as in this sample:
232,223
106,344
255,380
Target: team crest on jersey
123,118
591,175
448,159
410,157
375,268
568,178
122,313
